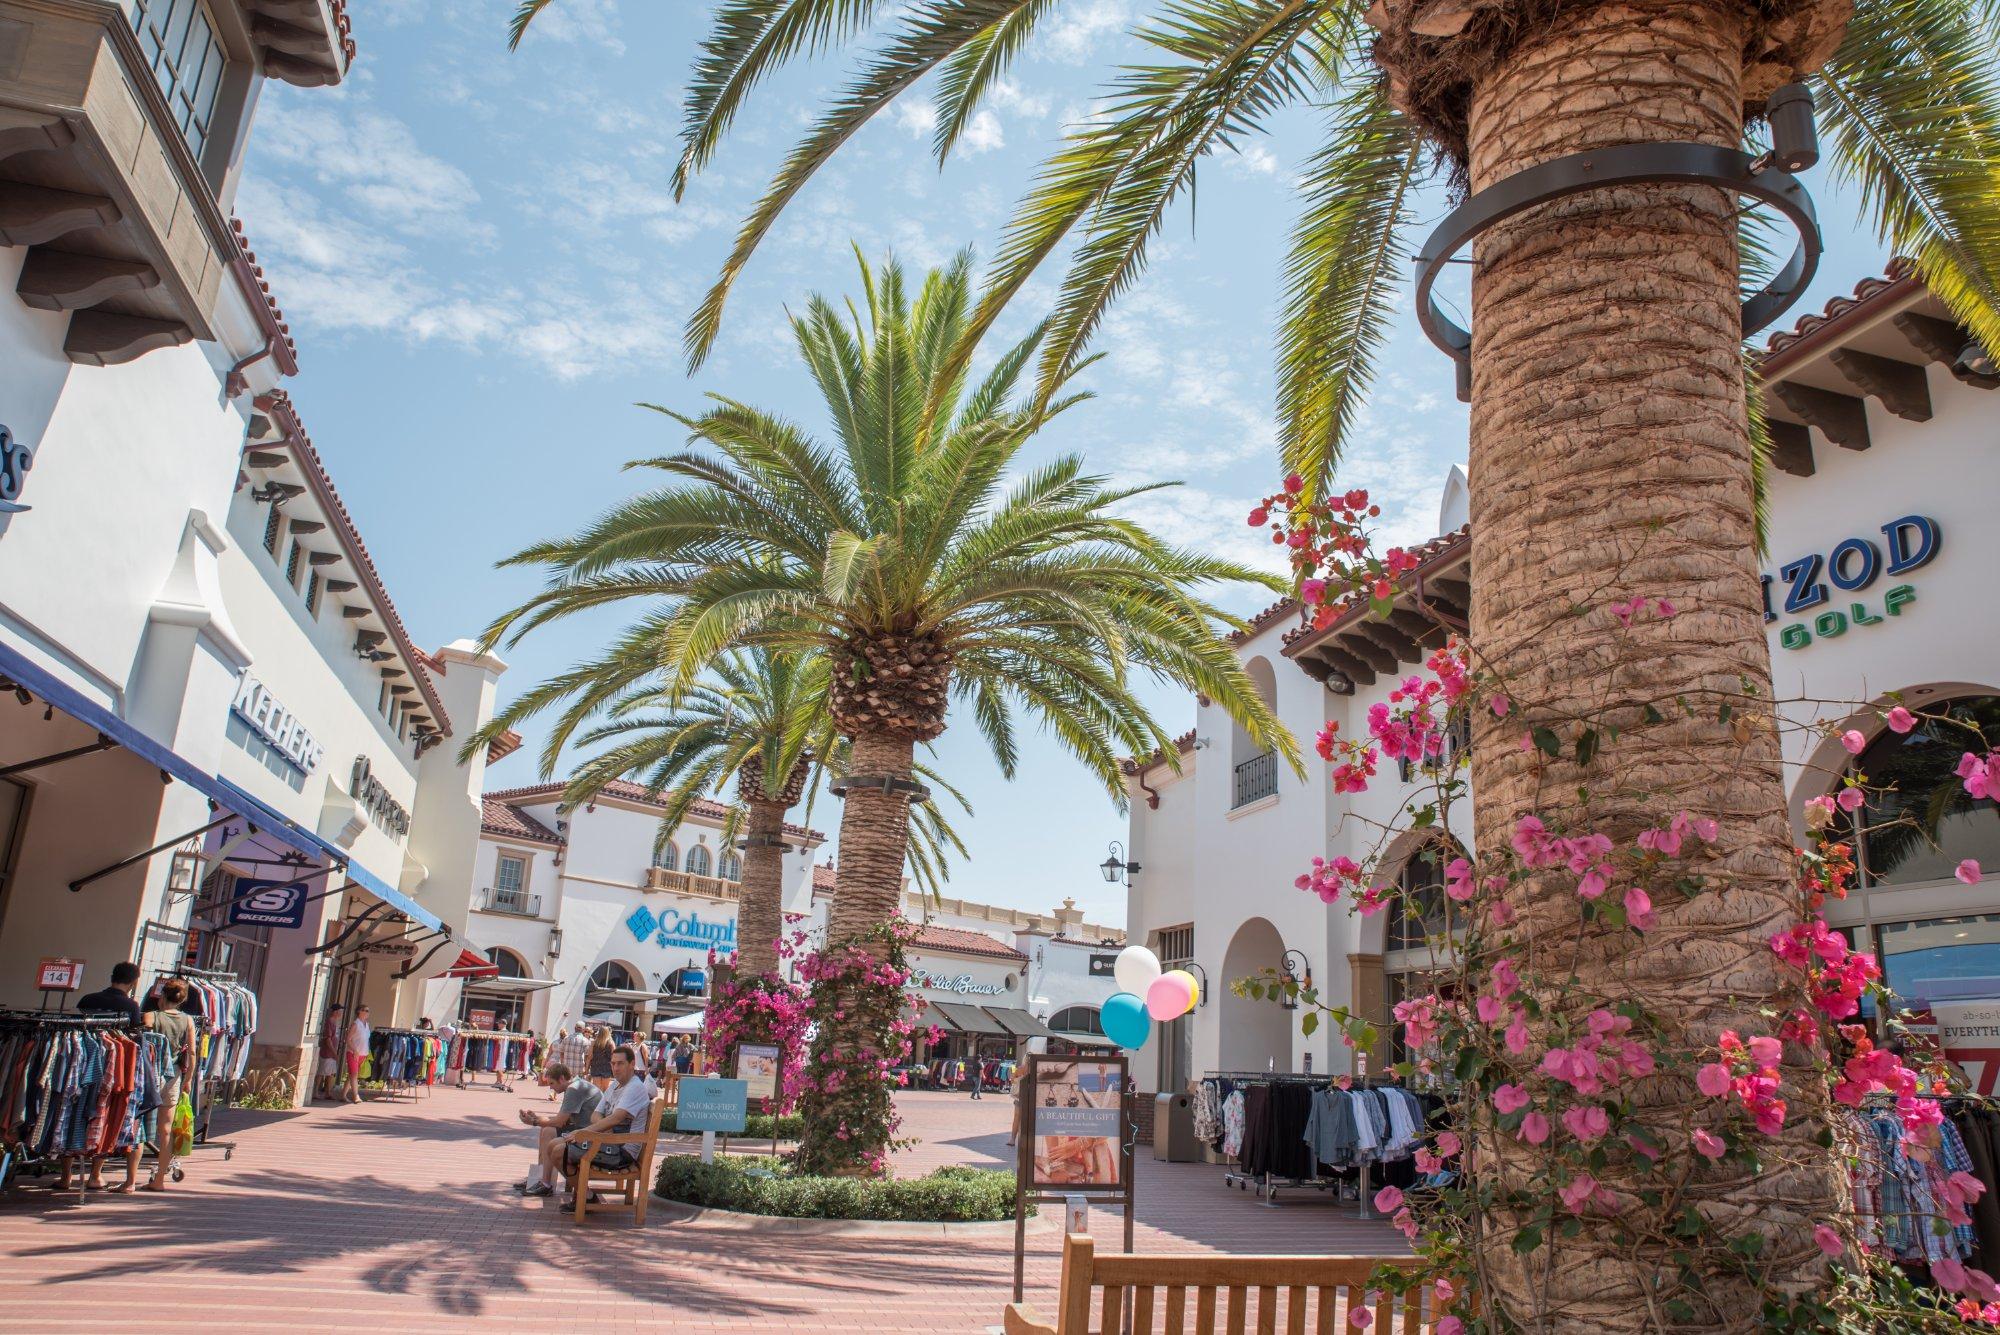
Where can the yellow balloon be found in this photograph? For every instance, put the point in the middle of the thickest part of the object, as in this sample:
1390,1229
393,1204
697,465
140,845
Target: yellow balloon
1193,986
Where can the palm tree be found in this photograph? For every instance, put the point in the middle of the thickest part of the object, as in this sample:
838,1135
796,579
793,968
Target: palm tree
898,555
1610,446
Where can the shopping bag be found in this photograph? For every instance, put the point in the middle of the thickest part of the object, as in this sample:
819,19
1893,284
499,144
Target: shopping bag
184,1125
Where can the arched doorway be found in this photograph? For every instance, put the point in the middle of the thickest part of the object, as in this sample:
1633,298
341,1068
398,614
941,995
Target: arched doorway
486,1007
614,995
1255,1035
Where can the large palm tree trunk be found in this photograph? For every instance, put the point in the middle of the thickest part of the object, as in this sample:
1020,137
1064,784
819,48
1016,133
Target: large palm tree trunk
760,902
874,836
1609,457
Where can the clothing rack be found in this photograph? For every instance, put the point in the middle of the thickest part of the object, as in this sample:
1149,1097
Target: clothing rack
499,1074
210,1083
409,1084
11,1162
1266,1184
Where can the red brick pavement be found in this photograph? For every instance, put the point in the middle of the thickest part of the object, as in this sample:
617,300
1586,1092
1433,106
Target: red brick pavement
395,1216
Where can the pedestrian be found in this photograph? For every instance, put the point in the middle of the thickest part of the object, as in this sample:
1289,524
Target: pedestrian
332,1038
356,1052
115,999
601,1048
179,1031
975,1072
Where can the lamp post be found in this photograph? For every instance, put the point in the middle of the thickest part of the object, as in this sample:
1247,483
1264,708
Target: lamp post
1300,973
1117,871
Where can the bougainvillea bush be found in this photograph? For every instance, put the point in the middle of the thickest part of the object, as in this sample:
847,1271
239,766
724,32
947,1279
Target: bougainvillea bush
1574,1114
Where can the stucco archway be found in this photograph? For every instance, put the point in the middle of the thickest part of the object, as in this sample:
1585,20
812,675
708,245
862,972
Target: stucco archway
1254,1035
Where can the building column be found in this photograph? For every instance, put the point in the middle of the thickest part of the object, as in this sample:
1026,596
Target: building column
1370,1001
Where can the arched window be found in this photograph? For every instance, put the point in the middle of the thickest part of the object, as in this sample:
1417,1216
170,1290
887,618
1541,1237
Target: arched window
698,861
611,976
1077,1020
1419,908
732,867
1256,769
1918,822
511,965
668,858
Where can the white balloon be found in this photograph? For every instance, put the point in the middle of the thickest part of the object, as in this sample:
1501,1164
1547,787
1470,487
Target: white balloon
1136,969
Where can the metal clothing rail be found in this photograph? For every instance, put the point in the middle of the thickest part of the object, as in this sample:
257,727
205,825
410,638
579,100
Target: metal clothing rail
1264,1184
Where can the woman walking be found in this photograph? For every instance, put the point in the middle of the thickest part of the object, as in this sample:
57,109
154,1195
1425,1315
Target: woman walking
358,1035
179,1031
601,1048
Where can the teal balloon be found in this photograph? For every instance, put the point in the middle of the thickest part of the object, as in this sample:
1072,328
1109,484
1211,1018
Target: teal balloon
1126,1022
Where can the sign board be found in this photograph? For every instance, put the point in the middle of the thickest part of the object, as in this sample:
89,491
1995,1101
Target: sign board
269,903
757,1068
277,725
713,1105
59,974
1969,1033
1103,966
960,985
1816,587
481,1020
15,461
1077,1132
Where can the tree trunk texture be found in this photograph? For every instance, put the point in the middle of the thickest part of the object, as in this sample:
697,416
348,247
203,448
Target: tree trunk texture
1610,457
760,902
874,835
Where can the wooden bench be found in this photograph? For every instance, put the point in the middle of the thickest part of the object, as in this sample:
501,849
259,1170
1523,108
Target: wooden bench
1209,1294
635,1179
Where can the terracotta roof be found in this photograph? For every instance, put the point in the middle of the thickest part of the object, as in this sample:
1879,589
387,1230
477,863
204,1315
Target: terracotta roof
1439,551
250,277
1869,294
823,877
279,405
503,818
958,941
625,791
1275,612
1183,744
506,744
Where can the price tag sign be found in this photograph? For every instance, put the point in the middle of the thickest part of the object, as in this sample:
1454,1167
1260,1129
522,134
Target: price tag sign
59,974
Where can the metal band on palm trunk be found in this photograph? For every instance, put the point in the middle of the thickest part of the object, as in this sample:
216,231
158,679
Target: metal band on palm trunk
894,785
1632,164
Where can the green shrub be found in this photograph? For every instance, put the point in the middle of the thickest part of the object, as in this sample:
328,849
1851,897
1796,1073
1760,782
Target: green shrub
757,1127
764,1186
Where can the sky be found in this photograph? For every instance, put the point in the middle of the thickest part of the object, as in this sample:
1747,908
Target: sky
482,261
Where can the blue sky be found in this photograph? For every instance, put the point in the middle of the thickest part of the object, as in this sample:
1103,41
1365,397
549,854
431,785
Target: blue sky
484,266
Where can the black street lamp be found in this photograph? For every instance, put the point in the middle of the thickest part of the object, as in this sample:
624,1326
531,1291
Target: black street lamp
1300,973
1116,869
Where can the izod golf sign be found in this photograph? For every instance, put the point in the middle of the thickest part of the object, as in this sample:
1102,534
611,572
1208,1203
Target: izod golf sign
1830,591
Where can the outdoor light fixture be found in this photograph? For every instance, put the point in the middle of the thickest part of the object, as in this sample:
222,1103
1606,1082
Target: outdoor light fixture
1974,362
555,942
276,492
1300,973
1765,179
1116,869
1202,998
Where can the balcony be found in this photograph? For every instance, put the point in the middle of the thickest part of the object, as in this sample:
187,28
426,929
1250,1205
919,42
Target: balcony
495,900
687,883
109,181
1256,779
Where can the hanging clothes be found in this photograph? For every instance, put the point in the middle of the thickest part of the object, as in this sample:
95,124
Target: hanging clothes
71,1086
1897,1194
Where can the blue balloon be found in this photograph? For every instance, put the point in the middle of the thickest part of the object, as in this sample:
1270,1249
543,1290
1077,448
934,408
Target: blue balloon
1125,1021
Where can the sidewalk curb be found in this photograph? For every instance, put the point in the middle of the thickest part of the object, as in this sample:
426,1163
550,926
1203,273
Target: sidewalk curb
706,1217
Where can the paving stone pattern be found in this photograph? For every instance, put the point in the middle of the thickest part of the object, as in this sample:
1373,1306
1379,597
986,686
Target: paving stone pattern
396,1216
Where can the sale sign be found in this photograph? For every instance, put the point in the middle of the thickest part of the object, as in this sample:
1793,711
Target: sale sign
59,974
1969,1033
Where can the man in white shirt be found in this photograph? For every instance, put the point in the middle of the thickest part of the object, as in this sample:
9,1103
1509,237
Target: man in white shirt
358,1035
623,1107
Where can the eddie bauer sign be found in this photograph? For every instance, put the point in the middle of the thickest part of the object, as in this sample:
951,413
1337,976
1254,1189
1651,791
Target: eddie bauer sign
1852,566
962,985
276,724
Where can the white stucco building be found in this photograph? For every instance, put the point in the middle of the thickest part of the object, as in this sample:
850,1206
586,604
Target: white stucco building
206,683
1881,499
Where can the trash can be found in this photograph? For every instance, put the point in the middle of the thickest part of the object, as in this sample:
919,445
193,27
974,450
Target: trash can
1173,1129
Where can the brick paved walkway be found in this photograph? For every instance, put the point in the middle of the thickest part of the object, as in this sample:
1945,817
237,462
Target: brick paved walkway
396,1217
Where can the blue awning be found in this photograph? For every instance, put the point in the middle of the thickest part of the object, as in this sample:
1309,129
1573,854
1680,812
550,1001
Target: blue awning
53,690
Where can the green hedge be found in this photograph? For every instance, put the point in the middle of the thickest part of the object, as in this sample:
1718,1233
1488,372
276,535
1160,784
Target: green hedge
757,1127
761,1186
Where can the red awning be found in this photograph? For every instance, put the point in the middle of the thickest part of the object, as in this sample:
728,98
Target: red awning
471,965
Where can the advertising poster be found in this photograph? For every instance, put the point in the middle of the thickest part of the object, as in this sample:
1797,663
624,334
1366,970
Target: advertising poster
757,1067
1969,1033
1077,1122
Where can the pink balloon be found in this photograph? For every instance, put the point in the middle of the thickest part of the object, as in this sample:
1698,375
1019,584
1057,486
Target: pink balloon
1167,998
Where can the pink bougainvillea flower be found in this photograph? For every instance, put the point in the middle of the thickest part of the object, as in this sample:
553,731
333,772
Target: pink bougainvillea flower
1639,909
1510,1098
1968,871
1500,706
1361,1318
1982,777
1450,1325
1448,1143
1534,1128
1458,882
1713,1080
1828,1240
1259,517
1506,979
1853,741
1709,1146
1765,1050
1901,720
1490,1008
1501,912
1577,1193
1665,609
1389,1200
1517,1037
1587,1122
1949,1274
1850,799
1294,484
1312,590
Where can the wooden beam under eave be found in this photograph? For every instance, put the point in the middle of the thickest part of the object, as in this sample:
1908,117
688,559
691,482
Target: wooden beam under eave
32,214
1841,418
1346,664
1940,341
354,613
32,131
390,674
1405,649
1369,652
1417,626
61,280
309,526
105,338
1791,446
323,559
1900,386
401,690
278,35
341,586
298,72
368,639
1455,591
1326,675
268,459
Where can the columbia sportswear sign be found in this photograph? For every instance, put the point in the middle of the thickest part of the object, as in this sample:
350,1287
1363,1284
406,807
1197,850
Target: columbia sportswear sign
276,724
671,927
1830,591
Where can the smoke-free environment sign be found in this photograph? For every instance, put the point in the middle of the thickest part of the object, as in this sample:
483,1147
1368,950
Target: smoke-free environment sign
713,1105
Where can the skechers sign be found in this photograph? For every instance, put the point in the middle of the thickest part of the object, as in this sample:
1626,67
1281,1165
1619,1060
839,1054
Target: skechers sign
671,927
1810,586
15,461
276,724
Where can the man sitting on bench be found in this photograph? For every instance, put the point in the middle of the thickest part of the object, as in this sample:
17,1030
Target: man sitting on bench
623,1107
579,1101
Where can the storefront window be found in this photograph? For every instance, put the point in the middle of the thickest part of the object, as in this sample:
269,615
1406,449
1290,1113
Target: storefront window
698,861
1915,954
1919,823
1419,910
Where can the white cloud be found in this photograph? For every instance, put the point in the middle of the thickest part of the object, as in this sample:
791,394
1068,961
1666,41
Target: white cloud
1255,159
983,133
1078,28
1012,96
376,163
915,116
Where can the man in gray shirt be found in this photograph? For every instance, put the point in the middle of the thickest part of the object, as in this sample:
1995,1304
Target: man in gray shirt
579,1099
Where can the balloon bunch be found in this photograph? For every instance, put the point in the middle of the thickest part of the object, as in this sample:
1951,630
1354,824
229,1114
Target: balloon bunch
1128,1020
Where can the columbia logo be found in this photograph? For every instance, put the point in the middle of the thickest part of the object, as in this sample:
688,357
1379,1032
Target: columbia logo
642,922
